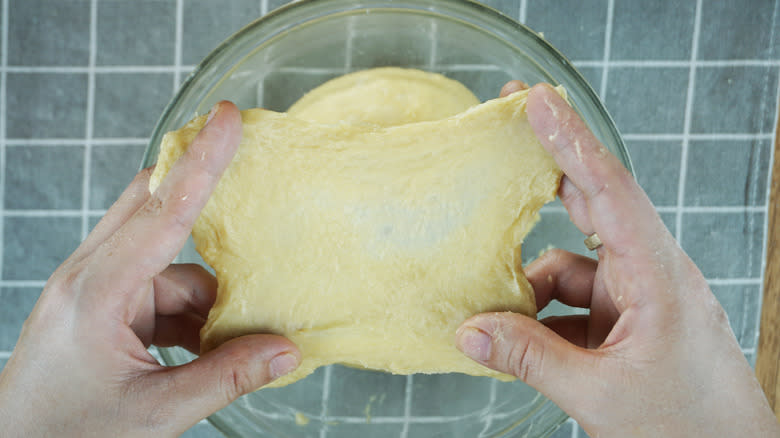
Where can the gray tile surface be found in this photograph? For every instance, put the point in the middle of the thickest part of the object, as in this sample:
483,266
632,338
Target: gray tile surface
112,169
141,32
43,177
349,381
202,430
647,99
738,30
37,245
657,168
46,105
740,301
727,173
725,245
433,386
734,99
647,75
18,302
669,36
129,104
48,32
581,35
206,23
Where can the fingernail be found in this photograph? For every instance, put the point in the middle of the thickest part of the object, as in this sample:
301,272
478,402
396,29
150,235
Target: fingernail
282,364
474,343
212,113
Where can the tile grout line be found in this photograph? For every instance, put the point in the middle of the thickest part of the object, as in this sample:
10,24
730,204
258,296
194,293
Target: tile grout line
575,432
607,50
489,409
90,119
5,354
687,122
263,7
640,63
407,405
107,141
325,397
177,49
522,13
3,116
51,213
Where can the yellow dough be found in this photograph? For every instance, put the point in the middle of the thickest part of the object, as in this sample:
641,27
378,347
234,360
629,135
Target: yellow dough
387,96
369,246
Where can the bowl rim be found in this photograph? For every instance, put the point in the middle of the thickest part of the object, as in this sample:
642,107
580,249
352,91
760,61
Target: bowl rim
300,12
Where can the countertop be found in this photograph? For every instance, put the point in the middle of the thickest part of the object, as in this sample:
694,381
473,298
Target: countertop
692,85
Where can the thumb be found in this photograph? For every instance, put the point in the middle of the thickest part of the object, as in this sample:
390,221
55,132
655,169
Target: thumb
523,347
196,390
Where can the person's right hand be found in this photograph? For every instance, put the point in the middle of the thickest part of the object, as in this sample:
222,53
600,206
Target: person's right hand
656,356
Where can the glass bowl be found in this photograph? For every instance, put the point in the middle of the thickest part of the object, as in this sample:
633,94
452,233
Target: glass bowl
275,60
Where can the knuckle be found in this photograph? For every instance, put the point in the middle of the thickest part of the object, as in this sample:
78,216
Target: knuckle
525,359
173,212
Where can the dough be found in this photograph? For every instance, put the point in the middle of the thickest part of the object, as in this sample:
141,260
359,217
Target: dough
369,246
387,96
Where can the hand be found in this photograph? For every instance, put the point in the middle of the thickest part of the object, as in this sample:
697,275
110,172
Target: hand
656,356
81,367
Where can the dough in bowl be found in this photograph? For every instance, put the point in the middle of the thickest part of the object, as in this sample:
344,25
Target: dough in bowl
385,96
368,246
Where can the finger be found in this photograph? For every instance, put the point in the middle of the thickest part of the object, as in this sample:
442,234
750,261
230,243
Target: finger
523,347
181,330
618,208
198,389
184,288
575,204
512,86
563,276
573,328
152,237
136,193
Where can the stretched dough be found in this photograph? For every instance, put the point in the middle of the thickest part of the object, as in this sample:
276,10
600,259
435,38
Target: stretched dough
386,96
369,246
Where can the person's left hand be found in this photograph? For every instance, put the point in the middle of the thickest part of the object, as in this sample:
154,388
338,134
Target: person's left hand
81,367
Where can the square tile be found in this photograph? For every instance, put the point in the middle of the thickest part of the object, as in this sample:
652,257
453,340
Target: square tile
129,104
112,168
46,105
43,177
33,247
17,305
48,32
430,389
580,36
371,48
510,8
734,99
741,303
484,84
202,430
141,32
565,431
668,37
2,364
728,173
655,106
736,30
207,23
92,221
725,245
282,89
657,167
351,383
